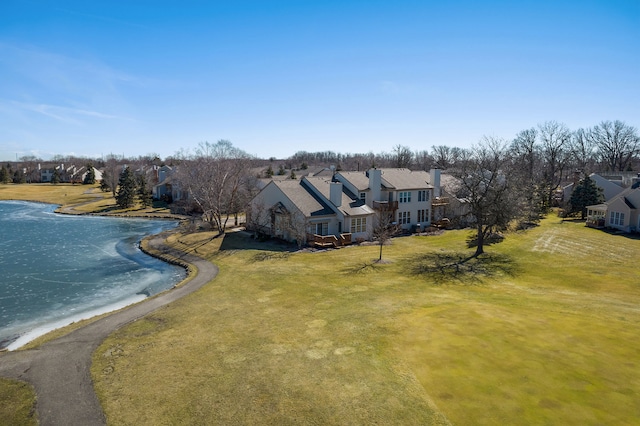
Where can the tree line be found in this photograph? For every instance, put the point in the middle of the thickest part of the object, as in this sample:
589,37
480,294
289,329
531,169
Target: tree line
502,179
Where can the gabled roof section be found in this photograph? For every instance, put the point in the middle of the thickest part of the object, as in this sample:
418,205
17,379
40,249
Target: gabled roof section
630,196
358,179
401,179
392,179
308,203
350,204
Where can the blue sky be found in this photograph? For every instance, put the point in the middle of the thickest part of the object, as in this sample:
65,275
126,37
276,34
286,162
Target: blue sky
276,77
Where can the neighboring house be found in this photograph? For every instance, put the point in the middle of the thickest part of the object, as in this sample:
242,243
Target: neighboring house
309,208
166,188
621,212
445,203
406,194
609,188
342,207
67,174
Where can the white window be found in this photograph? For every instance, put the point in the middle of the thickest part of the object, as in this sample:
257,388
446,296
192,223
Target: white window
423,195
423,216
322,228
616,218
404,218
363,196
404,196
358,224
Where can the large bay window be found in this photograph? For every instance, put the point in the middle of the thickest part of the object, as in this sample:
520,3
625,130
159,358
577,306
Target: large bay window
358,224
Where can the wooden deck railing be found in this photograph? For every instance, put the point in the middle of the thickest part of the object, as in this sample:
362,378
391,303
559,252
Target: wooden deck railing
440,201
326,241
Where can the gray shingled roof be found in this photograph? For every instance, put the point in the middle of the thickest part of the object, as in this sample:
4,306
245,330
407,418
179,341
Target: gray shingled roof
400,179
308,203
350,206
358,179
396,179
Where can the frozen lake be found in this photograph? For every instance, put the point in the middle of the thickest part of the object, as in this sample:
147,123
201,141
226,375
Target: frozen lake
57,269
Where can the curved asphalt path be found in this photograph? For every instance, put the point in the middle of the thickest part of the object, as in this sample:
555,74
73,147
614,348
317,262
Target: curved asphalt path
59,370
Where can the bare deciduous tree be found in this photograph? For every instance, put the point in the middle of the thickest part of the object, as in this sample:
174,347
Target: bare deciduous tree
485,184
582,151
555,138
213,178
525,153
403,156
112,170
383,227
445,156
616,142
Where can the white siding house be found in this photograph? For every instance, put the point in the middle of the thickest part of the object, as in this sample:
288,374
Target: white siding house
406,194
622,212
312,207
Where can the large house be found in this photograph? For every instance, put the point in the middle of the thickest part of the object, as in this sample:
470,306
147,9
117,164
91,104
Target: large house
610,188
622,212
337,209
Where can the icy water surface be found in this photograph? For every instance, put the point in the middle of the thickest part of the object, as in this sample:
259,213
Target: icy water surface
56,269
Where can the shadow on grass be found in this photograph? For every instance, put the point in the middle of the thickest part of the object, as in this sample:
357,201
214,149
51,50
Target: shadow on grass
459,268
270,249
491,239
363,268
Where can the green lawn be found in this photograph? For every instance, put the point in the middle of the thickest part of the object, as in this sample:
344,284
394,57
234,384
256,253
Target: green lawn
17,403
541,330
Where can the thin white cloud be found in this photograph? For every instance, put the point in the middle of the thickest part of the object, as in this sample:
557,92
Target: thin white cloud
65,114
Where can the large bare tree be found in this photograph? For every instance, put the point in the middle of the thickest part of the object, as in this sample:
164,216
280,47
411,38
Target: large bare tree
483,173
616,142
525,153
582,150
555,139
213,177
111,173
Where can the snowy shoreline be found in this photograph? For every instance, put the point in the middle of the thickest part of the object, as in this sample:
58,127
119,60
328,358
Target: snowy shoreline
23,339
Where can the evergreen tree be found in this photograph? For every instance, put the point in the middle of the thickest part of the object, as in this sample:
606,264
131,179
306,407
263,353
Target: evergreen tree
292,176
18,177
585,193
55,179
126,193
90,177
4,175
269,171
144,193
104,183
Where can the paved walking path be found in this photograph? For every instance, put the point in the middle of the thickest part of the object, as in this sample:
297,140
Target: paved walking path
59,370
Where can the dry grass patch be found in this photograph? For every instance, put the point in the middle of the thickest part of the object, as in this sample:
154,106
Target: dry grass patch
286,337
17,403
65,194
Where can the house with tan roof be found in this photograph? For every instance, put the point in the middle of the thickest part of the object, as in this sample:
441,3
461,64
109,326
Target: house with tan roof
622,212
342,208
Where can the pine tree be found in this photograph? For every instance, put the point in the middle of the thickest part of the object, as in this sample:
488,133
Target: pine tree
90,177
126,193
104,183
585,193
144,194
269,171
55,179
4,175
